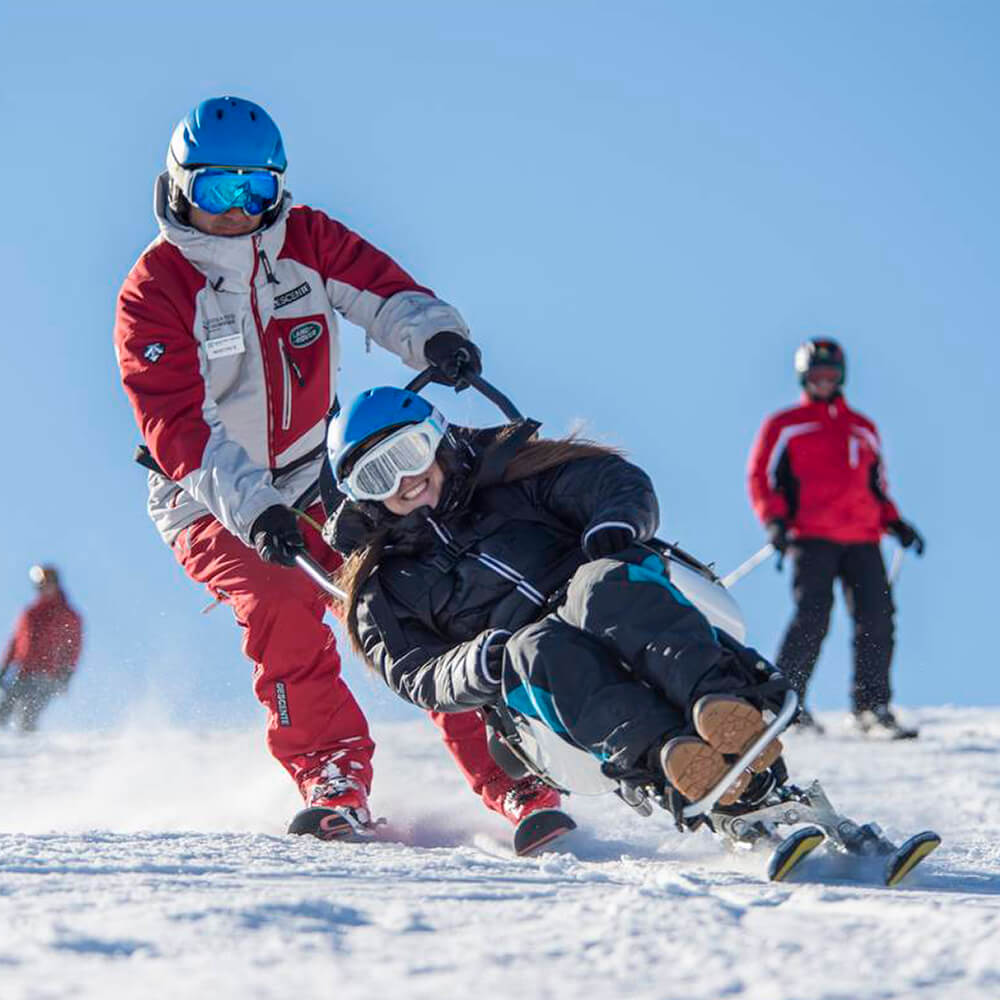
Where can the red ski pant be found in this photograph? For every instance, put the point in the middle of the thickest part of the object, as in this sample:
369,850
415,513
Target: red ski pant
313,719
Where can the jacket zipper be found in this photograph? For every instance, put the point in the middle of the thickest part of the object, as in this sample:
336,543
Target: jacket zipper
271,279
286,387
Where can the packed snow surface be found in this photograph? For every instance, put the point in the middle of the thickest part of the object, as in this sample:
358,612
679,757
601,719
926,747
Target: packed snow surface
152,863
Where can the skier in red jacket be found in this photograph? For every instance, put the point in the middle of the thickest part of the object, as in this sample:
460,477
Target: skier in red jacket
45,647
817,482
227,340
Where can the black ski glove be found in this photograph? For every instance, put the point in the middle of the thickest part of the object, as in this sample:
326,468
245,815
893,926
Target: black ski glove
777,533
276,536
607,539
455,357
907,535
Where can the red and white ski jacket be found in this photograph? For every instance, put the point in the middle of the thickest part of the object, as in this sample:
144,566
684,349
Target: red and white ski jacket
47,638
819,467
228,349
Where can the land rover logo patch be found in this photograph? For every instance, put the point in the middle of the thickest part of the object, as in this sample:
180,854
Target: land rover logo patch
304,334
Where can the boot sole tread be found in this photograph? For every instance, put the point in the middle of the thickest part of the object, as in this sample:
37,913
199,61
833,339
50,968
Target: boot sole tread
731,726
694,768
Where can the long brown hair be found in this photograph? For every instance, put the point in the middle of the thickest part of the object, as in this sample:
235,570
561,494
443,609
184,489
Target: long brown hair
532,459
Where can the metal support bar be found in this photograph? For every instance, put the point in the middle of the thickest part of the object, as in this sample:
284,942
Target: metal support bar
319,576
486,389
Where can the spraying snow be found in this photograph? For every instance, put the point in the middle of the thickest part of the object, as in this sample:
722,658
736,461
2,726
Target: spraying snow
152,861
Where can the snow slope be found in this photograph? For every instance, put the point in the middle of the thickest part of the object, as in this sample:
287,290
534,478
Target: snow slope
151,863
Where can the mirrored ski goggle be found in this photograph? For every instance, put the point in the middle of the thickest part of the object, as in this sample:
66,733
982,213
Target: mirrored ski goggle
218,189
377,474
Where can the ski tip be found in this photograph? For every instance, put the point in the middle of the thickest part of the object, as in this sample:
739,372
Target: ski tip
792,851
904,860
540,828
329,824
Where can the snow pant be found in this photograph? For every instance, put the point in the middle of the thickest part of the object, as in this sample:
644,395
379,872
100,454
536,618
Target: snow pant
464,735
315,728
618,666
26,699
861,570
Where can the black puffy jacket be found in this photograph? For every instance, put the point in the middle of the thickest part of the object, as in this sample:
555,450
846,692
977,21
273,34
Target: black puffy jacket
496,560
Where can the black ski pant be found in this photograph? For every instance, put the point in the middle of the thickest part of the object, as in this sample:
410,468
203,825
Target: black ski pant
618,666
861,571
27,697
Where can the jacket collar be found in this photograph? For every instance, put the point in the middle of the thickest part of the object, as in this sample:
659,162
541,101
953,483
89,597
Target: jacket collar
838,404
228,262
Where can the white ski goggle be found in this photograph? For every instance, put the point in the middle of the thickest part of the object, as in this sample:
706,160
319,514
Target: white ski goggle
377,474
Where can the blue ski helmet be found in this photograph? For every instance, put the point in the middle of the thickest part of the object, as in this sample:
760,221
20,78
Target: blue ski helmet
820,352
227,132
383,408
224,132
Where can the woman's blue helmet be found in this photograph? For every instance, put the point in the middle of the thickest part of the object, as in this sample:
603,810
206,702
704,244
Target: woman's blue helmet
374,412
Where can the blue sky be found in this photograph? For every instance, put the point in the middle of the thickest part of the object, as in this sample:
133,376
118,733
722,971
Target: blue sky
640,208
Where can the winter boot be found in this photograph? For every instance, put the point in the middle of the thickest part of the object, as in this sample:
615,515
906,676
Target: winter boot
731,725
337,810
533,808
527,796
880,724
694,768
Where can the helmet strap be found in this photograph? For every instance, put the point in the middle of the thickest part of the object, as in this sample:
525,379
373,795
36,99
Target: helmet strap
179,204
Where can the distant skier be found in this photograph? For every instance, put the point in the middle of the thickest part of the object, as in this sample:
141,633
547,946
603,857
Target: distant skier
226,337
45,648
817,482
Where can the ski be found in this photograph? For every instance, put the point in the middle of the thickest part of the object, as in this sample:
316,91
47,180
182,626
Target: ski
331,824
792,851
788,805
540,828
906,857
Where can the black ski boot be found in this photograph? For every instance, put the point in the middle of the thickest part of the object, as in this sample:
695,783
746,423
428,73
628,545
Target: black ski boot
880,724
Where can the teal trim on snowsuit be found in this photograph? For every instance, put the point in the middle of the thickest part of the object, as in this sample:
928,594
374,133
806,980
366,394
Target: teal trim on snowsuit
653,570
535,703
620,662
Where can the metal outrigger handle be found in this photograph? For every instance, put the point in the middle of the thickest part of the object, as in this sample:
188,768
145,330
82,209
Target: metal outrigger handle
319,576
484,388
707,802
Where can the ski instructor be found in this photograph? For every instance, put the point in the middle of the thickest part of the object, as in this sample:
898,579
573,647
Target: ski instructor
226,337
817,482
